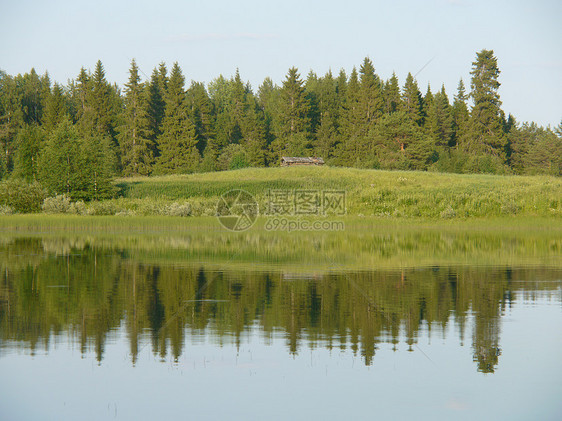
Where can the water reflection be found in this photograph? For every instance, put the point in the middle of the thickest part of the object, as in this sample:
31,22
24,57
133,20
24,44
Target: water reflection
86,291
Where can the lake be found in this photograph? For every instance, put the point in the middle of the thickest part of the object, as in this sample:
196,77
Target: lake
380,324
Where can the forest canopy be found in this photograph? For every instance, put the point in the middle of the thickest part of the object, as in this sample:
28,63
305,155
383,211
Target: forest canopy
75,138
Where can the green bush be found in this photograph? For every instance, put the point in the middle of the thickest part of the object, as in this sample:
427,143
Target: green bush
58,204
78,208
178,209
5,210
21,196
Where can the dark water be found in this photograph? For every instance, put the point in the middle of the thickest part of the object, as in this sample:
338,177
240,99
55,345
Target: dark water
99,330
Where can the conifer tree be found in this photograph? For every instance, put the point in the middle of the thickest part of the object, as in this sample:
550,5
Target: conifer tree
56,108
156,104
427,104
460,113
28,142
349,122
391,95
370,102
178,141
294,122
201,113
439,122
134,134
485,133
412,100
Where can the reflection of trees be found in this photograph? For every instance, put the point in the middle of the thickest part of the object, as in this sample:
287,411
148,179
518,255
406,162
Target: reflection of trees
87,292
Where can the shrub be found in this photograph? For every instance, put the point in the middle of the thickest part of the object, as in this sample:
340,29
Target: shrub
5,210
58,204
21,196
78,208
178,209
448,213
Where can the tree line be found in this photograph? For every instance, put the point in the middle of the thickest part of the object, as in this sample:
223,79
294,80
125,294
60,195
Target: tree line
74,139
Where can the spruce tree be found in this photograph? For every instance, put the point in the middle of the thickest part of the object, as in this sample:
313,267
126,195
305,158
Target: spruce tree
202,114
135,133
370,101
178,141
28,142
460,113
349,122
391,95
439,122
412,100
293,137
156,92
56,108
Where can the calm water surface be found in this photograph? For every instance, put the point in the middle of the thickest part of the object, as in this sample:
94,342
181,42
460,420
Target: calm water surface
94,330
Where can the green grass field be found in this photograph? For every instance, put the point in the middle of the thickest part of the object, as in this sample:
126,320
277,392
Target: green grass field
368,192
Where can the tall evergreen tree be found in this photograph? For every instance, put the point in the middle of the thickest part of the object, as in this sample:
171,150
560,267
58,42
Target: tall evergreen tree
202,114
28,142
293,137
371,103
156,104
412,100
460,113
134,134
56,108
485,133
439,122
178,141
391,95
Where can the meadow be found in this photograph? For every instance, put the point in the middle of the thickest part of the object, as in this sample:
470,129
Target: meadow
386,194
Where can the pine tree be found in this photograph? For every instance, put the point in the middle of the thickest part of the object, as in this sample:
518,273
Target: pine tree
134,134
485,133
178,141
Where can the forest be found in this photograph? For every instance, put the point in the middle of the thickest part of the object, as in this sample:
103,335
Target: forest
76,139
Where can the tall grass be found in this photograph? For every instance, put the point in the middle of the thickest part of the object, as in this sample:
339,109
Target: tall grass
368,192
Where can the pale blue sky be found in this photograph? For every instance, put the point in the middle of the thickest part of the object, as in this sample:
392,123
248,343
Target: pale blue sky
264,38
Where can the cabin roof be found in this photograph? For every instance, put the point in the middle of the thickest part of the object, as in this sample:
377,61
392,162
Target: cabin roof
302,160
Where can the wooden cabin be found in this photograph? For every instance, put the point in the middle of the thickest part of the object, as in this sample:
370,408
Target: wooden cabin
288,161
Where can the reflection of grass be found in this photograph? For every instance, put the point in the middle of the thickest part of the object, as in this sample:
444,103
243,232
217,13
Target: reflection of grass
369,192
366,243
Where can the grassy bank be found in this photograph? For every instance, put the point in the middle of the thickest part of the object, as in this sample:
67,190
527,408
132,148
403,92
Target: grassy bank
368,192
366,242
